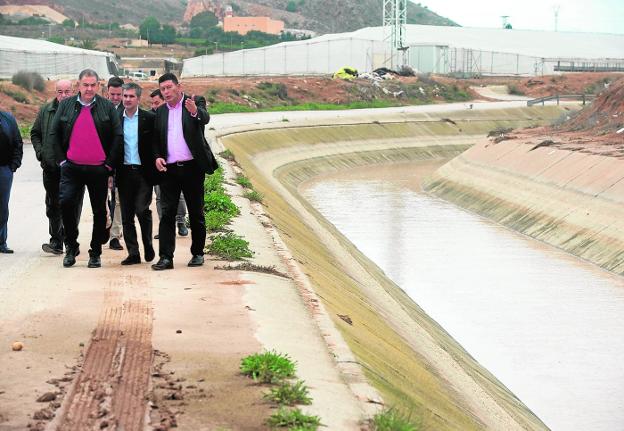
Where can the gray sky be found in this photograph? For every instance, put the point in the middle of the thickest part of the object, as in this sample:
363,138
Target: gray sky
601,16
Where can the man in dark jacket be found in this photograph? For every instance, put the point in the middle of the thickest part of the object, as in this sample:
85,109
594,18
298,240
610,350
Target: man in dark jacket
114,94
136,175
88,141
157,101
39,135
183,158
11,152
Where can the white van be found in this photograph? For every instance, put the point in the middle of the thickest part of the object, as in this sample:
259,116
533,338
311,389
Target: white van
137,75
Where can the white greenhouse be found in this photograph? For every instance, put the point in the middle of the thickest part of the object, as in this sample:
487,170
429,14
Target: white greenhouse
51,60
430,49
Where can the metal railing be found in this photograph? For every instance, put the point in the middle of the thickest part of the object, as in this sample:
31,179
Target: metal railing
558,97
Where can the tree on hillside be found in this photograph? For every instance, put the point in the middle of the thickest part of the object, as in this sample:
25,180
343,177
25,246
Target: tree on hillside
167,34
150,29
201,23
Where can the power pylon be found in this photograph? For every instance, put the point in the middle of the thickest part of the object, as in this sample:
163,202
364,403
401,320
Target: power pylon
394,20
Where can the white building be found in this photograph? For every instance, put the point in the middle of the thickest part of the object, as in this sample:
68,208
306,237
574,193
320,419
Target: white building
431,49
51,60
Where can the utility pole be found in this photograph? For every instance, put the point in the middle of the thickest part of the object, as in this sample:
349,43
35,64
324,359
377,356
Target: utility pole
505,21
556,12
394,21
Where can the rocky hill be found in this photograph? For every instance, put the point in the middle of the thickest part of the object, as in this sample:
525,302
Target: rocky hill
322,16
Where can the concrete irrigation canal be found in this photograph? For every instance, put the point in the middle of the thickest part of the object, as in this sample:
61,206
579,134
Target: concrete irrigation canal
470,324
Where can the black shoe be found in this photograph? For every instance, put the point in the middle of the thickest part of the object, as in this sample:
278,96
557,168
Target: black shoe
52,248
196,260
131,260
94,260
182,229
150,254
114,244
6,250
70,257
163,263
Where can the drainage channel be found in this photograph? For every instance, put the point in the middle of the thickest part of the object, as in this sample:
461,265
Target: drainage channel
547,325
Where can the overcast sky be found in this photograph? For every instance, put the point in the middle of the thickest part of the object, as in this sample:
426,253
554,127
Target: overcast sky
602,16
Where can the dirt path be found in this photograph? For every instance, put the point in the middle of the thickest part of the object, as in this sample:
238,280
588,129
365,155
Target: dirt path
131,348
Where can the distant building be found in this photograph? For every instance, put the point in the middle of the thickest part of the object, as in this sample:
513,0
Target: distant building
129,27
137,43
245,24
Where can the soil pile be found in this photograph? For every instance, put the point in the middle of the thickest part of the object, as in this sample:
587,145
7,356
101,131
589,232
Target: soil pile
604,116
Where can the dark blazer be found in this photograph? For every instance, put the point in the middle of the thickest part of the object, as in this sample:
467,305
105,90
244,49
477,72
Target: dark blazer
39,135
107,124
146,144
11,130
193,130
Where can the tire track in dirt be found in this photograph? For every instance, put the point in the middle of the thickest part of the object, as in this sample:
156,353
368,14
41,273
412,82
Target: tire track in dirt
111,389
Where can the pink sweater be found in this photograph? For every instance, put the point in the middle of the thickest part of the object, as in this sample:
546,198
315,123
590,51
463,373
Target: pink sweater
85,147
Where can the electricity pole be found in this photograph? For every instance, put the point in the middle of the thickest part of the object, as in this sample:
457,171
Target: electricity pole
394,21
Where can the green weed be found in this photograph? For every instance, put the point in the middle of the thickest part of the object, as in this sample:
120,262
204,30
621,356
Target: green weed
230,246
227,155
25,130
244,181
268,367
393,420
253,196
289,394
220,202
293,419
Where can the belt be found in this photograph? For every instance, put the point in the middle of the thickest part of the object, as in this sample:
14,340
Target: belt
182,162
133,167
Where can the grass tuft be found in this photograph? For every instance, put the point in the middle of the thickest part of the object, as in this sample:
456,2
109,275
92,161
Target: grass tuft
293,419
393,420
244,181
253,196
268,367
230,246
289,394
227,155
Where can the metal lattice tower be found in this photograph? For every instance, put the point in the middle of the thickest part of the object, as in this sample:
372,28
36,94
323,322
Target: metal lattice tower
394,20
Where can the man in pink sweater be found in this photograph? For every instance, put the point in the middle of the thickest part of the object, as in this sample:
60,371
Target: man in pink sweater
87,138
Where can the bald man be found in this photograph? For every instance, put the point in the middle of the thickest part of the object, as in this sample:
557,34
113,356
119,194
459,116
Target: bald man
39,136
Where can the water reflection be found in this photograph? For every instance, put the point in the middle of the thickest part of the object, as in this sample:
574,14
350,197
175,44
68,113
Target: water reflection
549,326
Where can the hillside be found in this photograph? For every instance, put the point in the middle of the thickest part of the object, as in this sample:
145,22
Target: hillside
322,16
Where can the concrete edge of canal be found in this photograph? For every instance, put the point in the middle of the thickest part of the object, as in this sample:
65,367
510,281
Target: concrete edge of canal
404,354
569,199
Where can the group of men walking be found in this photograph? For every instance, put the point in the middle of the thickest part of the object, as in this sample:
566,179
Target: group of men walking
119,152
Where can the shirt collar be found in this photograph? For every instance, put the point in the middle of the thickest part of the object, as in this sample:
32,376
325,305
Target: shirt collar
136,114
85,104
177,105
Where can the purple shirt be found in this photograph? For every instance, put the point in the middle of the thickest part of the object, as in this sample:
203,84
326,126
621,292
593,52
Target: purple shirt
177,148
85,147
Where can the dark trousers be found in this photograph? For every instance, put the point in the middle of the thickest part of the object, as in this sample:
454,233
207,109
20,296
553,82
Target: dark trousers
188,179
135,196
73,179
6,181
51,184
180,216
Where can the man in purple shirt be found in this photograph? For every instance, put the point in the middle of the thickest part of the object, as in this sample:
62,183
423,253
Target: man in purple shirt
183,157
87,138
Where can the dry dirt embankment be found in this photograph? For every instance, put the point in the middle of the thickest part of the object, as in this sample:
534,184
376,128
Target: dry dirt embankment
407,356
569,199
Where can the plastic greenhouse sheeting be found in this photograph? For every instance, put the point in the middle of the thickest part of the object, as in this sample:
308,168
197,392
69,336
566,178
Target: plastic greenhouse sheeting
49,59
435,49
